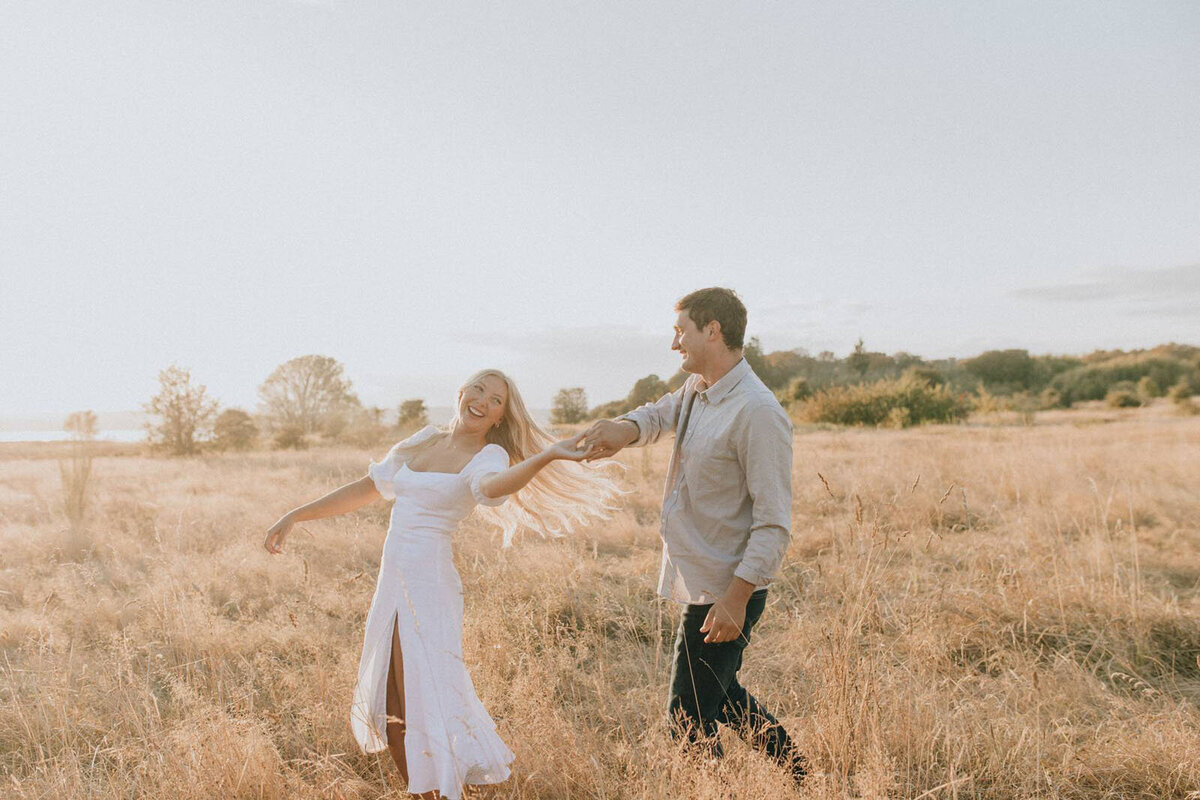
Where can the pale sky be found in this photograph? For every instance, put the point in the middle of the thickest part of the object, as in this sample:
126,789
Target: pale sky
423,189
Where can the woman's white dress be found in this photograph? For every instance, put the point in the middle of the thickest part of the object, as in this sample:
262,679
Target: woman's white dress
450,738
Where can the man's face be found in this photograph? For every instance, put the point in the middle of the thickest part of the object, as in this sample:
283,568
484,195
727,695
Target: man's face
691,342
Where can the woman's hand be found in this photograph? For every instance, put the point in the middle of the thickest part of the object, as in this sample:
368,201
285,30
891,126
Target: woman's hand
278,532
352,496
568,449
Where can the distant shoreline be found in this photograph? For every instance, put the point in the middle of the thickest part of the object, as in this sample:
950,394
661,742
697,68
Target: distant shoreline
32,436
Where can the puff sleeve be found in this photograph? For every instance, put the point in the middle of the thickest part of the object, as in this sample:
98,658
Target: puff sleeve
491,459
383,472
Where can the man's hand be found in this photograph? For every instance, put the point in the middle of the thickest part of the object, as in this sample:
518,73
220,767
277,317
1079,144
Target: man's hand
568,449
607,436
725,618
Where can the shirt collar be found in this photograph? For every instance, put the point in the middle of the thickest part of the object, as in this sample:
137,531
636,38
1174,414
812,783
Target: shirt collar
717,392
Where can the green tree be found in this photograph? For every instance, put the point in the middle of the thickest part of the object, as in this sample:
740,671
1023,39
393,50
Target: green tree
1005,371
646,390
859,360
569,406
412,414
183,413
309,394
234,430
782,366
798,390
930,376
753,354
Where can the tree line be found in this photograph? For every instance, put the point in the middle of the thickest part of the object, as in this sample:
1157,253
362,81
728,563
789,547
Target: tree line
872,388
310,399
303,400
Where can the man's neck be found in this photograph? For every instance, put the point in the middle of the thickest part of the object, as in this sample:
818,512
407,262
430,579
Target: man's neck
720,368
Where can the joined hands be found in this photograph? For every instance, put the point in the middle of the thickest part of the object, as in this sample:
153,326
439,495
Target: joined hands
606,437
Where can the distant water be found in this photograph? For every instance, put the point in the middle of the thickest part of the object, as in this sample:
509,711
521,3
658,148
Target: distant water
61,436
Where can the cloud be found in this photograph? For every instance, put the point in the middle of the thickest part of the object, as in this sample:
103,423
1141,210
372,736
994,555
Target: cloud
1166,284
1184,310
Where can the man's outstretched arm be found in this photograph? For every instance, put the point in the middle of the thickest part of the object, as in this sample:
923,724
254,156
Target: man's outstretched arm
644,425
607,436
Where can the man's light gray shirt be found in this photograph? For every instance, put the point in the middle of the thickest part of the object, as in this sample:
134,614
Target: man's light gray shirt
728,499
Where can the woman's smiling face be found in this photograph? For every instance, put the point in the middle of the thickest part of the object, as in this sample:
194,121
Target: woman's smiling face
482,402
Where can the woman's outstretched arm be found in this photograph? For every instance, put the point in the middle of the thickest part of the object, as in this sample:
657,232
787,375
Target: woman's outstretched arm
340,501
507,481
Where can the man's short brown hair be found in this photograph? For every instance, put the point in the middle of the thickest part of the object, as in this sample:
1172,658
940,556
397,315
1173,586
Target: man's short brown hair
723,305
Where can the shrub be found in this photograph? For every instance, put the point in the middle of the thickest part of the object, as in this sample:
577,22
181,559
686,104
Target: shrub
898,417
291,437
1051,398
1123,398
897,403
931,376
1025,406
1094,381
363,427
1181,395
798,390
234,430
985,402
1180,392
1148,388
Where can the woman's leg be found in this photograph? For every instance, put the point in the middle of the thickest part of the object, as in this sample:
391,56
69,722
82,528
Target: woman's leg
395,705
395,710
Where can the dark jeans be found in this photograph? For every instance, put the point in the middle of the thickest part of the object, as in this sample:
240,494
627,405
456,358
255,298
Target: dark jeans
705,691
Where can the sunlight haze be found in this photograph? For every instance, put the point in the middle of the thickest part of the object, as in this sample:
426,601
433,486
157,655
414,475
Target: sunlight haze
421,190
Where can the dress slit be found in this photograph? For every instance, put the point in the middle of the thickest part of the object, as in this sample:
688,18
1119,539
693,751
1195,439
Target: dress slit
396,702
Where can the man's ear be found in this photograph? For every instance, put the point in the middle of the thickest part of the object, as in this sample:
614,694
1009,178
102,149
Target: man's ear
713,330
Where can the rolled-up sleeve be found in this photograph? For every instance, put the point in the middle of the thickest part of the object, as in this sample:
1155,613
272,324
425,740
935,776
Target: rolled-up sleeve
653,419
765,452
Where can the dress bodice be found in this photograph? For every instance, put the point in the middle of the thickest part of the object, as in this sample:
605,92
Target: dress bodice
434,501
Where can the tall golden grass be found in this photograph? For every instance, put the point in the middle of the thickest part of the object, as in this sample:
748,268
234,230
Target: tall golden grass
984,612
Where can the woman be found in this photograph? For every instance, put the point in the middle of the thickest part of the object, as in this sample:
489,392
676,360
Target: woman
414,695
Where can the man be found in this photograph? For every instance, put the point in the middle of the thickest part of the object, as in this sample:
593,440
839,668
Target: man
725,519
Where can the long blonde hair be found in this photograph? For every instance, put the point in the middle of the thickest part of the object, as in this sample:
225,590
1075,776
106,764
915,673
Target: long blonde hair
562,495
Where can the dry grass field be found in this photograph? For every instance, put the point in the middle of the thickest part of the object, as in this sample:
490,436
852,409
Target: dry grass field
981,611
